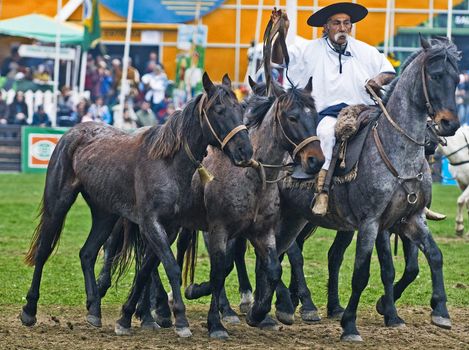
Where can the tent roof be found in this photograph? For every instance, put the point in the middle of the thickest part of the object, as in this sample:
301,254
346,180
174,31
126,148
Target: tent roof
42,28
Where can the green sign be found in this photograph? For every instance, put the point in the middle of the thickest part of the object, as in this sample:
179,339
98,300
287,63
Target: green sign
37,145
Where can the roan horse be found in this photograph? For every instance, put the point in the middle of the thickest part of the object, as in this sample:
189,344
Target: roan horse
393,185
457,152
141,177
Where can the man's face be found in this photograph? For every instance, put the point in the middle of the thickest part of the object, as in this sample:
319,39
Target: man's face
338,28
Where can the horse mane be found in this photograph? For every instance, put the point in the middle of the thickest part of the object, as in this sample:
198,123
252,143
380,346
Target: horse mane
440,46
164,141
258,106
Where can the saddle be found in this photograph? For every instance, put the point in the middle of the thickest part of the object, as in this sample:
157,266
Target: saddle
353,125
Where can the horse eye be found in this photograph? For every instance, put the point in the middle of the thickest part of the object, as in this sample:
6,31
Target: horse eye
219,109
436,77
292,118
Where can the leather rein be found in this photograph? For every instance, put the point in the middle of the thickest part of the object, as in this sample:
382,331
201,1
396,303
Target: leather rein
411,195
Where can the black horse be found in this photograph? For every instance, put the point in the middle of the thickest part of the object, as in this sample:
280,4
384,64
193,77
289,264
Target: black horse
141,177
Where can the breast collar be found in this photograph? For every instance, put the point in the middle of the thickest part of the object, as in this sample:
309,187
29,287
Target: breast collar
341,53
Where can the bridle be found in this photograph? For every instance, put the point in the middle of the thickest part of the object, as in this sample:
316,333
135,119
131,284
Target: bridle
456,151
297,147
204,117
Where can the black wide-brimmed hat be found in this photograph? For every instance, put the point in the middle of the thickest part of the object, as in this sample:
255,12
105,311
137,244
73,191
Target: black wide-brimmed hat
356,12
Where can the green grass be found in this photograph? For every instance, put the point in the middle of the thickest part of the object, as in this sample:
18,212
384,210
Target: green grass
62,282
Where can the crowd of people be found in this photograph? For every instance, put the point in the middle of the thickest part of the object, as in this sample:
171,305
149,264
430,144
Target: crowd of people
462,98
147,101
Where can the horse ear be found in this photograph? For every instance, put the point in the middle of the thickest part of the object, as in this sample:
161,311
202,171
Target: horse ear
309,85
424,42
252,83
207,83
226,81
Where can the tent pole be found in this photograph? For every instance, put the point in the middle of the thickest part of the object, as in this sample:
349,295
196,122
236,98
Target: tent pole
76,69
56,66
125,64
81,89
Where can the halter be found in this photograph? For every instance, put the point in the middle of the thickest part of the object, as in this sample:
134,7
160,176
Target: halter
430,109
203,114
297,147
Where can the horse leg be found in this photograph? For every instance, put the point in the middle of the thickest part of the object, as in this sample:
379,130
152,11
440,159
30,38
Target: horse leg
467,208
388,307
308,311
161,248
102,224
418,231
335,257
411,271
245,288
268,274
217,244
284,305
112,245
57,203
365,241
460,216
143,311
228,314
159,302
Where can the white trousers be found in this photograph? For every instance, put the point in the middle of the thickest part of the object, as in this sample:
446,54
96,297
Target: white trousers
326,134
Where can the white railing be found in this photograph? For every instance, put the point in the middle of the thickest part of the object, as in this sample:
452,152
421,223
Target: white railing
35,99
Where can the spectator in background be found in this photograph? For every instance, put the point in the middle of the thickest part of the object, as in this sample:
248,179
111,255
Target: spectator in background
155,84
460,95
18,110
128,123
65,108
12,63
105,81
40,117
82,113
152,61
41,75
100,112
92,77
145,116
3,111
119,121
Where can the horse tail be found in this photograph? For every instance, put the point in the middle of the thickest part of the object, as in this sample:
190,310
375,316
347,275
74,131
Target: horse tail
191,258
60,192
131,241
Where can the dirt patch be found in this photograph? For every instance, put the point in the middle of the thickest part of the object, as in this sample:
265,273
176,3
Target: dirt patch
65,328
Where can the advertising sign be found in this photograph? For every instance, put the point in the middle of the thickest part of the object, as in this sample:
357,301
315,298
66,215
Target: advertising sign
37,147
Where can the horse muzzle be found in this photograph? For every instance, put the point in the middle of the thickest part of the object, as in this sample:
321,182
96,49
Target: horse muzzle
447,123
312,158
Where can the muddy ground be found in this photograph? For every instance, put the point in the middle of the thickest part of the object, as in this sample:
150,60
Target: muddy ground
65,328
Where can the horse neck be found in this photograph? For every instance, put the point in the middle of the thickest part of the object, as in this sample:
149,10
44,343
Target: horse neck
406,107
266,143
457,149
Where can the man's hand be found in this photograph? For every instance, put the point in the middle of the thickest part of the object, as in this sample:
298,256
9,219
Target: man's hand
277,14
375,87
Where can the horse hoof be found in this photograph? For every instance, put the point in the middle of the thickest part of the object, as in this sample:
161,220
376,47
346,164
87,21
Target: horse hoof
149,325
310,316
355,338
189,291
94,321
269,324
244,307
221,335
336,315
121,330
397,325
459,233
379,306
163,322
441,321
183,332
285,317
27,320
231,319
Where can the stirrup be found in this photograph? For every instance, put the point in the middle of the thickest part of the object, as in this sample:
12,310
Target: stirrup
433,215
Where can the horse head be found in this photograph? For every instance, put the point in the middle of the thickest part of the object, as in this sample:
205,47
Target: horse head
440,77
296,118
222,121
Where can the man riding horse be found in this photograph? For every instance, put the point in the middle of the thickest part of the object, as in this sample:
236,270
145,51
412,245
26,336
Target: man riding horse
341,67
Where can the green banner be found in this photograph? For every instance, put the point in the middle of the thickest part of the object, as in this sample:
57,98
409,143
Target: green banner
37,145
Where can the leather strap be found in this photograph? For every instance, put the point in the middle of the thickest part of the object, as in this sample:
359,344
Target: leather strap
388,117
231,134
303,144
431,111
382,153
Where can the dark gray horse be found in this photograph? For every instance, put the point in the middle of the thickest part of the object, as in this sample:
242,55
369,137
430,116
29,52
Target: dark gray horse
141,177
393,184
